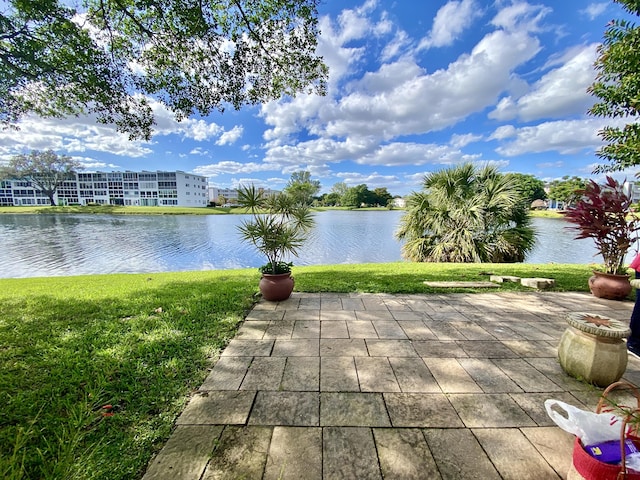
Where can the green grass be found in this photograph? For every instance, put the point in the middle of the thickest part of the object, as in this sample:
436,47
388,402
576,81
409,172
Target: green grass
142,343
116,210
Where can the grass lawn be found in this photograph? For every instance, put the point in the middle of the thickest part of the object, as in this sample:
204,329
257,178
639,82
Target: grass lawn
116,210
95,369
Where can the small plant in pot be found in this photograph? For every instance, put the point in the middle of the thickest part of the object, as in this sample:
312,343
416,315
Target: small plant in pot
278,228
603,213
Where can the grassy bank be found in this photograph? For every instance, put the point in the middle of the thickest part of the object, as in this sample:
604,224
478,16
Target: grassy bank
116,210
95,369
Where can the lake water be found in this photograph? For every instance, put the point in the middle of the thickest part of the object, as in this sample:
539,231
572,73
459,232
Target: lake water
54,245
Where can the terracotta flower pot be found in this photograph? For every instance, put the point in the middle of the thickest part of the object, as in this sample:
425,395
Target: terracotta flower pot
612,287
276,288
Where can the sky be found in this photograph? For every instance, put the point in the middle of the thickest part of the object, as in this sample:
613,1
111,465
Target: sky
414,87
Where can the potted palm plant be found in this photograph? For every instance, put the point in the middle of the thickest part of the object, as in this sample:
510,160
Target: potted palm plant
278,227
603,213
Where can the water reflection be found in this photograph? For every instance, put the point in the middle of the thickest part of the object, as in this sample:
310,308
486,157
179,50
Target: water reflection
51,245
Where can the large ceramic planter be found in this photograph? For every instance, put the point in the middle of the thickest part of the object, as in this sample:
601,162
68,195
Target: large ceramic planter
612,287
592,348
276,288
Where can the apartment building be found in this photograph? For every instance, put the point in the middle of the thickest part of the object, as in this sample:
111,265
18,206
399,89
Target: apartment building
177,189
230,195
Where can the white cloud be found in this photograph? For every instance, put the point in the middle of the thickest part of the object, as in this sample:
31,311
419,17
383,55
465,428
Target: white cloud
502,132
230,137
460,141
559,93
199,151
563,136
418,103
413,154
229,167
594,10
549,165
521,16
451,20
71,135
372,180
396,47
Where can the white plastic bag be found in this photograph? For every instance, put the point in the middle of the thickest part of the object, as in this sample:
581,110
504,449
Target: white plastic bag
589,427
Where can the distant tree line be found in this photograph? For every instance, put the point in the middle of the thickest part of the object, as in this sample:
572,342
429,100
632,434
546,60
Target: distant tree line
355,197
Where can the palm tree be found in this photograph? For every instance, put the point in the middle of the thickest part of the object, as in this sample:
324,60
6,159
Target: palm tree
466,214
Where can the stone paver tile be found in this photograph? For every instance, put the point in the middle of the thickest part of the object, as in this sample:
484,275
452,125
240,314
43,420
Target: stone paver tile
265,373
295,315
309,303
333,303
264,315
291,303
361,329
375,315
458,455
338,374
346,409
419,410
512,454
376,375
279,330
295,453
490,411
632,376
533,405
416,330
501,331
409,314
343,347
374,303
438,349
248,348
389,329
444,331
395,304
333,329
263,305
413,375
354,304
528,331
344,315
241,453
404,454
527,377
472,331
418,304
298,347
484,349
554,444
286,408
536,348
451,377
306,329
301,374
251,329
186,453
550,367
488,376
227,374
217,408
349,454
390,348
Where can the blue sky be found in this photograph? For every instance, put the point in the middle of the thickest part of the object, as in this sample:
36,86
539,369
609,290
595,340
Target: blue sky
414,87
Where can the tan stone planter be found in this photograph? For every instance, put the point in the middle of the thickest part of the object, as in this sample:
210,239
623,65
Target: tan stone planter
592,348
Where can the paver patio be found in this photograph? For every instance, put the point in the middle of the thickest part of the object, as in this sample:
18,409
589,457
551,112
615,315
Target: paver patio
363,386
